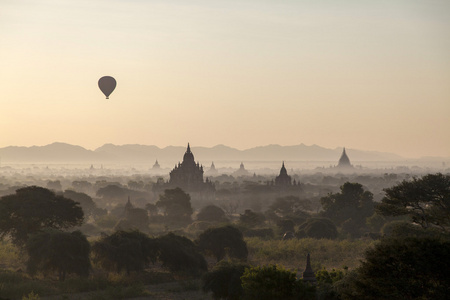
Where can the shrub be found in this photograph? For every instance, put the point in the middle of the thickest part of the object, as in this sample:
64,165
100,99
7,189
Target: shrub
272,282
318,228
409,268
212,213
219,241
224,281
178,253
125,250
55,250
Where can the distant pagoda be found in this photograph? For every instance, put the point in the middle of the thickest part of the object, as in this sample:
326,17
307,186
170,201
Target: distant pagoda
212,170
344,161
242,171
156,166
283,179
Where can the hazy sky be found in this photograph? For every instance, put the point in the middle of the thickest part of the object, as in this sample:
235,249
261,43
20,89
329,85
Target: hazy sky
364,74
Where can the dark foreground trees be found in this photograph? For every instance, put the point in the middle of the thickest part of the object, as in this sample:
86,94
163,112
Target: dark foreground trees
272,282
179,253
32,209
63,252
224,281
222,241
410,268
425,200
134,251
125,250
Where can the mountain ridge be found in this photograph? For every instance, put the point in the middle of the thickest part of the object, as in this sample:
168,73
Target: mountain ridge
63,152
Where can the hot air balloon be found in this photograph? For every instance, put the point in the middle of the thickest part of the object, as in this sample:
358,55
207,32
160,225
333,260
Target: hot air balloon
107,84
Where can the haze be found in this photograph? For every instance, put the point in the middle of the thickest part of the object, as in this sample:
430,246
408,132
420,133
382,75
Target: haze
369,75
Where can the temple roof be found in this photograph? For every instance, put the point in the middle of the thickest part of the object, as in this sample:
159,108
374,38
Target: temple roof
344,161
283,170
188,156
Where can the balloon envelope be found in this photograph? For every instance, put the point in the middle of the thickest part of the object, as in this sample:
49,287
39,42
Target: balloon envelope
107,84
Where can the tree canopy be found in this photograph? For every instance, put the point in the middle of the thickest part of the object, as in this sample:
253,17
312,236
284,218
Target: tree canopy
410,268
425,200
55,250
212,213
224,281
318,228
289,206
350,207
125,250
219,241
176,205
33,208
178,253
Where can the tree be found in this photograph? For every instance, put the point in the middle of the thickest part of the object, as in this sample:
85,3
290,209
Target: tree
86,202
251,219
33,208
135,218
224,281
179,253
318,228
289,206
112,191
285,225
212,213
352,204
54,185
54,250
152,209
125,250
272,282
176,205
82,186
223,240
410,268
425,200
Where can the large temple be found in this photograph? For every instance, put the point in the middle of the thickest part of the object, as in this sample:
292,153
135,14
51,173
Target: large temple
188,175
344,161
283,179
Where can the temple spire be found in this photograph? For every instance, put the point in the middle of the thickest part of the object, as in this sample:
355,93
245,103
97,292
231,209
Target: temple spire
308,274
344,161
188,149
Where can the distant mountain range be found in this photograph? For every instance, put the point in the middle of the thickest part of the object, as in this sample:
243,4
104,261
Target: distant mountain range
61,152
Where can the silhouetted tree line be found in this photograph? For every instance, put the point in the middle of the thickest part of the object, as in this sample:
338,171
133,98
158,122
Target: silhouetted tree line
410,262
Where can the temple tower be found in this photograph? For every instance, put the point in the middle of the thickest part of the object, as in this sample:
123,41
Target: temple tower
344,161
308,274
283,179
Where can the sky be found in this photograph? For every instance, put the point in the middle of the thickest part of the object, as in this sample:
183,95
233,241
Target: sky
361,74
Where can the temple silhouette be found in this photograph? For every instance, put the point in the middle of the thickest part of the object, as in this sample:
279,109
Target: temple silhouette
188,175
283,179
241,171
344,161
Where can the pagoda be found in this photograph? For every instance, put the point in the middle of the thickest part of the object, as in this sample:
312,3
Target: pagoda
283,179
187,175
344,161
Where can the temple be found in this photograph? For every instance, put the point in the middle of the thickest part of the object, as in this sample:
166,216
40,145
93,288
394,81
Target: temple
188,175
283,179
156,166
344,161
308,274
241,171
212,170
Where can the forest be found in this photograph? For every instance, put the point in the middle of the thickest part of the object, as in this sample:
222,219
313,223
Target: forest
368,236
